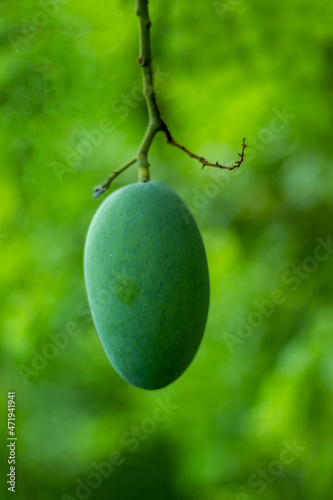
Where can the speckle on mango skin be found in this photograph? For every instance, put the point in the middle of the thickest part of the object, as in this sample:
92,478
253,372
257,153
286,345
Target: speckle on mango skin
127,290
145,255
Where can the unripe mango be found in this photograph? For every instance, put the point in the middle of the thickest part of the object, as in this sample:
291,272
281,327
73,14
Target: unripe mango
147,281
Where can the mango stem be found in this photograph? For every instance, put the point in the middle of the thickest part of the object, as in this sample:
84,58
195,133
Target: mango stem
145,62
155,121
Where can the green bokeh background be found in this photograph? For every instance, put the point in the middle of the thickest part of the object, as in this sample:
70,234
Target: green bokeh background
225,70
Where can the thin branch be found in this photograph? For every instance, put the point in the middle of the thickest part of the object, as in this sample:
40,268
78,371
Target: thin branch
155,123
98,190
145,62
206,163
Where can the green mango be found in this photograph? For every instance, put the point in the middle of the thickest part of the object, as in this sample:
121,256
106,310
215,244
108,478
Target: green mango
147,281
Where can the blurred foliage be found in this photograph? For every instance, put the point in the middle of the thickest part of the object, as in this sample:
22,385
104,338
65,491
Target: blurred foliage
225,70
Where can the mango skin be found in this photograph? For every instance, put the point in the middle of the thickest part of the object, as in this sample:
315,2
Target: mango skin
148,284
